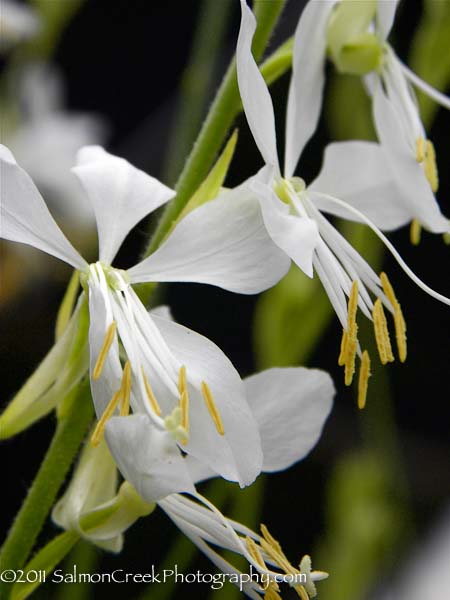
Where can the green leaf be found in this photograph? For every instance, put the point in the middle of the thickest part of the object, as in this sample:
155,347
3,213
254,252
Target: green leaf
45,561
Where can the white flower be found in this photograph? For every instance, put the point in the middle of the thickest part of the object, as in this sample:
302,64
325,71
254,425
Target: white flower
357,172
175,380
290,407
18,22
409,156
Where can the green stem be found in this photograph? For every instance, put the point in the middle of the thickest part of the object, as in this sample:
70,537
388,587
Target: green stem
50,477
223,111
196,83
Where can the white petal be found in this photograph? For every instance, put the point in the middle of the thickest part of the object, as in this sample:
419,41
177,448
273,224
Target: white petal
101,317
385,17
223,243
121,195
148,458
25,217
308,78
254,93
408,173
359,173
290,406
237,454
296,236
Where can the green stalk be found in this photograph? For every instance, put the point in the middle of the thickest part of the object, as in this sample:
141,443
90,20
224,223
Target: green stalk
196,83
223,111
50,477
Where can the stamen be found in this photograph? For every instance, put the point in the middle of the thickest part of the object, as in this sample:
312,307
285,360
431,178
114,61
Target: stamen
212,408
182,384
126,390
352,334
270,539
109,337
255,552
382,333
415,232
364,374
109,411
431,171
151,396
343,352
399,320
420,149
426,154
184,405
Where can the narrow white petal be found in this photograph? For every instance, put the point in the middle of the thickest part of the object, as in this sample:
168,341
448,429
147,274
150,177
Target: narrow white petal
236,455
290,406
407,172
121,195
296,236
254,93
308,78
359,173
223,243
385,17
148,458
25,217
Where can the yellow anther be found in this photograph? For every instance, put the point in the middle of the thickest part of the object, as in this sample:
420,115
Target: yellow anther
420,149
184,405
271,593
415,231
212,408
426,154
431,171
109,337
446,238
255,552
126,390
399,320
151,396
270,539
343,352
352,334
182,383
382,333
363,380
99,430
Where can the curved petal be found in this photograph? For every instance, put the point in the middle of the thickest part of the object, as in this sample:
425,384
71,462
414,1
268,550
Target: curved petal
308,78
121,195
385,17
236,455
25,217
255,96
407,172
223,243
290,406
296,236
148,458
359,173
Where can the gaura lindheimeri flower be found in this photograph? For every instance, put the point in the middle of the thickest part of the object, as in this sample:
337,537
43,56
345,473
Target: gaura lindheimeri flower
290,407
356,172
181,382
354,34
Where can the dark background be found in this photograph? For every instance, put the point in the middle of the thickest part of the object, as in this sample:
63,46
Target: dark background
124,59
